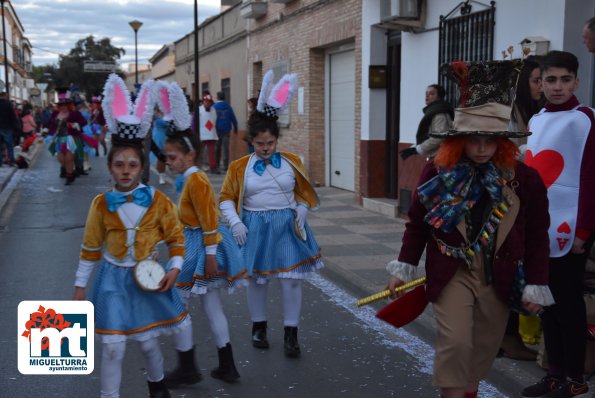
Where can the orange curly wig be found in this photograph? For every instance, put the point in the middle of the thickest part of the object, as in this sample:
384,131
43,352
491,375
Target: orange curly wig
452,150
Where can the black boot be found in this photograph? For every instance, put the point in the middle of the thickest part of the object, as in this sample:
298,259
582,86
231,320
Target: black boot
157,389
292,348
62,172
227,369
259,334
69,179
185,373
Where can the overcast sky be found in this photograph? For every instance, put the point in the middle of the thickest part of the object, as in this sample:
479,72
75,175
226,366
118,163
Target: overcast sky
56,25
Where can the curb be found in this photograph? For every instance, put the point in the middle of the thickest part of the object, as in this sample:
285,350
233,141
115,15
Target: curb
14,177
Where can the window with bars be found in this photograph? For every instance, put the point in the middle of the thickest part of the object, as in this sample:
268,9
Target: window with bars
468,37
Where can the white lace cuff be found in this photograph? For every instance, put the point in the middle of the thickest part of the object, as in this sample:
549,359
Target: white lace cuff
83,273
211,249
403,271
176,262
538,294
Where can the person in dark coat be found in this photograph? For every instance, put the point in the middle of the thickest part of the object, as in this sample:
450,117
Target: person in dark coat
8,120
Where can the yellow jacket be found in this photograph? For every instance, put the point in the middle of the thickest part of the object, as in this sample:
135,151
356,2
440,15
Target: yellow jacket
235,184
159,223
198,207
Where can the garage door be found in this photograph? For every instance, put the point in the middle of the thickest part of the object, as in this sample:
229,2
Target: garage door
342,119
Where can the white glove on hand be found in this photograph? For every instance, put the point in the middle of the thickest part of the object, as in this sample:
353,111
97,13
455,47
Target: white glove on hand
240,233
302,214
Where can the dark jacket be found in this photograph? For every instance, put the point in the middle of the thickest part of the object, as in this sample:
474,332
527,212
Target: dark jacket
226,119
8,119
522,235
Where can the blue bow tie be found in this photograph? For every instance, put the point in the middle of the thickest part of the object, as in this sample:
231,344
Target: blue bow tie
180,181
261,165
141,197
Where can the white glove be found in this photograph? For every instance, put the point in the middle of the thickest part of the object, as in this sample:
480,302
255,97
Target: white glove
301,215
240,233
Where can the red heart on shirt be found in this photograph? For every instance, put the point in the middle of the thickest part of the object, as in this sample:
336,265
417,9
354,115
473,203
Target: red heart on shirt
564,228
548,163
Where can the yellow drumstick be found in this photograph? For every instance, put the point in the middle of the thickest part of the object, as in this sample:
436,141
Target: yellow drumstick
386,293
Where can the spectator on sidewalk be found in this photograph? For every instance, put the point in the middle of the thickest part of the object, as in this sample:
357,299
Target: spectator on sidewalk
208,131
527,102
438,115
562,149
226,120
28,123
589,35
470,213
8,121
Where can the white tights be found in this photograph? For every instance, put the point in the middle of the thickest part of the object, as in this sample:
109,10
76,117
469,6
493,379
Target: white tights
112,355
213,309
291,293
211,305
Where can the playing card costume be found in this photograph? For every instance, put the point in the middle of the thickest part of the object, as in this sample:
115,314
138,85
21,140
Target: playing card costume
480,224
562,149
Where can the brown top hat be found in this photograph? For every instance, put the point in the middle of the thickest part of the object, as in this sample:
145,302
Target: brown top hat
487,91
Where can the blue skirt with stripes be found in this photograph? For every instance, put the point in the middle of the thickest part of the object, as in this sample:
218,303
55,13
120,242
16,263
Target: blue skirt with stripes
123,310
274,250
230,264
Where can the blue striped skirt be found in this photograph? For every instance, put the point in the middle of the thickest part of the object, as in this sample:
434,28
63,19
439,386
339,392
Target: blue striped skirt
123,310
273,249
230,266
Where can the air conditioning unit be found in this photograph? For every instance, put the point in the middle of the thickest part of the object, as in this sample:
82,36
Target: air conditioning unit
406,15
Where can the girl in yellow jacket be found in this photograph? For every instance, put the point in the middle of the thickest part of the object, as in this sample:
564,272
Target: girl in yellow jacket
265,198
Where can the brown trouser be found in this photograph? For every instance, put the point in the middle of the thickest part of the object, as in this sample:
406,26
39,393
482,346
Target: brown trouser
471,322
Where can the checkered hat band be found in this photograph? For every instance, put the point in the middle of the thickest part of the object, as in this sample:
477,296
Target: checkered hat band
171,128
270,112
127,131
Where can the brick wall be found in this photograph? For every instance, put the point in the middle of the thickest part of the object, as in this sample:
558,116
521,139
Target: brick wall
300,32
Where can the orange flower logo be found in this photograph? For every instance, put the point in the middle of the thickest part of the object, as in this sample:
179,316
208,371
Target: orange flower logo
43,319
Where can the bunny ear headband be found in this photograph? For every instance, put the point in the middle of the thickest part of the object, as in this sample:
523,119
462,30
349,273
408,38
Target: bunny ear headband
279,98
128,123
172,102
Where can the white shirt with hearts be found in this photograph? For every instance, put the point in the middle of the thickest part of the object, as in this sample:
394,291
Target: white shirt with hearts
555,149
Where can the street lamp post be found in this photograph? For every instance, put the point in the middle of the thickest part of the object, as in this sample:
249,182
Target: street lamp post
6,83
135,25
196,70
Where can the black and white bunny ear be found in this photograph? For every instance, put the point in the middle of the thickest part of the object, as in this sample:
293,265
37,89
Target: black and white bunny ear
143,107
262,97
116,101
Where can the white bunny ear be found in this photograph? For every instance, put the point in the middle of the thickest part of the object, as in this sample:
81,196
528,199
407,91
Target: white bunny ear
116,101
283,92
161,88
262,97
179,107
143,107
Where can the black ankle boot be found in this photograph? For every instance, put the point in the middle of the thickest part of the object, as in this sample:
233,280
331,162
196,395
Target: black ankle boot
292,348
69,179
227,369
62,172
157,389
186,371
259,334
